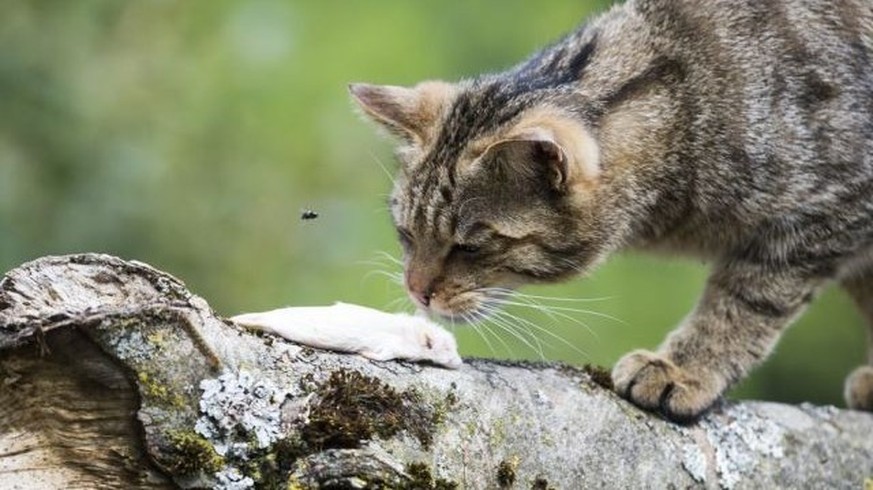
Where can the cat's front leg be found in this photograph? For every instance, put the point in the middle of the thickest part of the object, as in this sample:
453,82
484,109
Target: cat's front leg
739,319
859,384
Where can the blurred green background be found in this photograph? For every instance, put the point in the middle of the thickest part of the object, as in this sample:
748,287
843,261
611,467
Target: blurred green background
190,135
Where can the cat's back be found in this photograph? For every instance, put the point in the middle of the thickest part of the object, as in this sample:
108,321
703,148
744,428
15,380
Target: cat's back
787,81
843,15
781,93
825,32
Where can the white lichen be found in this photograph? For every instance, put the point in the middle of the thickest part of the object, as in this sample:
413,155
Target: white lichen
543,399
239,414
239,403
132,346
232,478
740,442
694,462
823,412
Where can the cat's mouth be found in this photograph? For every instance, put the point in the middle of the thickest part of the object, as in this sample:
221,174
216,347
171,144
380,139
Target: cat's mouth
458,318
468,307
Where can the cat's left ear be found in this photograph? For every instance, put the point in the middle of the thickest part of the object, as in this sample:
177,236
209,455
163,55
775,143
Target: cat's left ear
410,113
566,158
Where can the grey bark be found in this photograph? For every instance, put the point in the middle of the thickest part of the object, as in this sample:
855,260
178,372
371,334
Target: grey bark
113,375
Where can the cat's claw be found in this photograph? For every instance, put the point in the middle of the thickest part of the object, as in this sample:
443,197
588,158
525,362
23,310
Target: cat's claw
653,382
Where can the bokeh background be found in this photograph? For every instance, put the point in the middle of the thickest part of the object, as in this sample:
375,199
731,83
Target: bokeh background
190,135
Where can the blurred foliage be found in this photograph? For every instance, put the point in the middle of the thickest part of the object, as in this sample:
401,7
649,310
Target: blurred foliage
190,135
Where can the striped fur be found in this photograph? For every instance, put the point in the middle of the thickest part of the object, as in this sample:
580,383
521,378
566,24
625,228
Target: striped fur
737,131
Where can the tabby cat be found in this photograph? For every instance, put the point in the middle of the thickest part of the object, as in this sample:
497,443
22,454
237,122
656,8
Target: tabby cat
736,131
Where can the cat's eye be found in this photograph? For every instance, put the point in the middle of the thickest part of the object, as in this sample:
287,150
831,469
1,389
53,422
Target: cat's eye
404,237
467,248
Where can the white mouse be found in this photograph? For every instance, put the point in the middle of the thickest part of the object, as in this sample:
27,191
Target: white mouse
371,333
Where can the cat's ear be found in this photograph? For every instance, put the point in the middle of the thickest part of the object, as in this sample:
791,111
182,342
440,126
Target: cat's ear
541,151
410,113
535,155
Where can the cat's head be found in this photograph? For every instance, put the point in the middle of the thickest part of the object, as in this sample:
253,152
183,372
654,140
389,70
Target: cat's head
497,187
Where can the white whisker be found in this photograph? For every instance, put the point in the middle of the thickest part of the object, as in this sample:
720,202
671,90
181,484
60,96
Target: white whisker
389,257
393,276
549,333
554,313
564,308
397,303
498,337
382,166
520,294
500,297
497,317
476,329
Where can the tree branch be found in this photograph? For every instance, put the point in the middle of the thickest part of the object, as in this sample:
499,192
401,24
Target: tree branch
144,385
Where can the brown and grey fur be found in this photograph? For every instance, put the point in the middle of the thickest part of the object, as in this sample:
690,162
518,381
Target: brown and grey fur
739,131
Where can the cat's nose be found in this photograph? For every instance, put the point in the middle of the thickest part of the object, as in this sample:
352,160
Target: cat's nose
420,287
422,297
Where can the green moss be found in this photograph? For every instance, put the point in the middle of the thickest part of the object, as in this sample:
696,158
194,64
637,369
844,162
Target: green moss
541,483
452,398
498,432
158,392
189,453
421,478
157,338
446,405
599,375
506,473
271,468
352,408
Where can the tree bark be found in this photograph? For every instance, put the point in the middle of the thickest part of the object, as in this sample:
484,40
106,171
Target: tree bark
113,375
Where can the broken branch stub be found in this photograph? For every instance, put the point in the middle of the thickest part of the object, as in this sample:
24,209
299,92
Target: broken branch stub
144,385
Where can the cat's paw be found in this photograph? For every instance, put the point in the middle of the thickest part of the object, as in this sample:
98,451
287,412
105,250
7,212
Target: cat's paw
859,389
655,383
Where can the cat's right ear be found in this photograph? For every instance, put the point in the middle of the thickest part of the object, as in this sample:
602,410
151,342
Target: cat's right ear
410,113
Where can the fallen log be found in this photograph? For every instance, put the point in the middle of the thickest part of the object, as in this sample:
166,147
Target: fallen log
114,375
